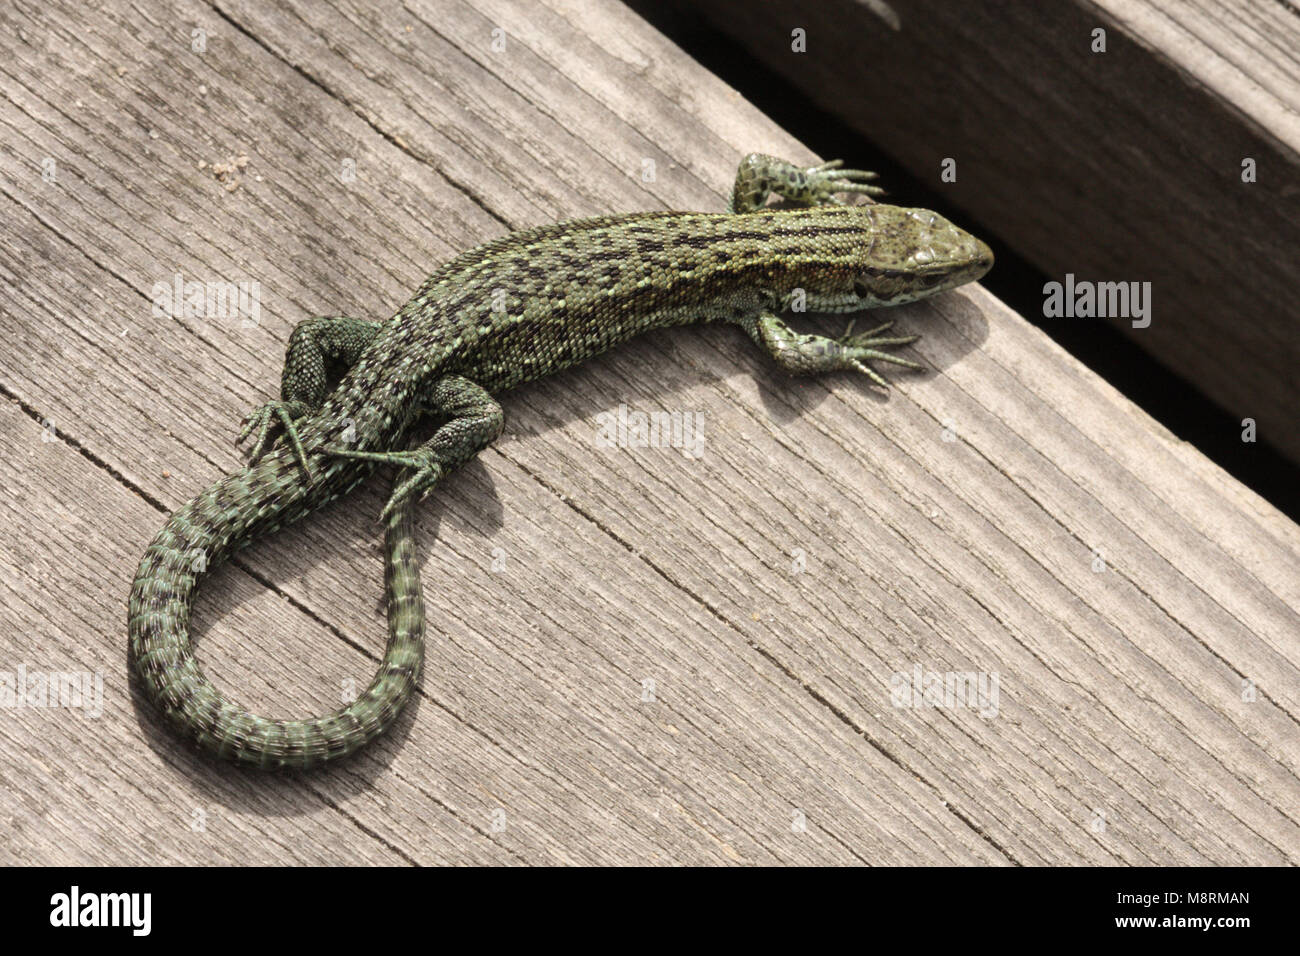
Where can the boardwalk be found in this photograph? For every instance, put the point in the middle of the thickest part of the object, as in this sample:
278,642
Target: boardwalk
637,655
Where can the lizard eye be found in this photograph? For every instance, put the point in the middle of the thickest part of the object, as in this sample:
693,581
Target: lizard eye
860,289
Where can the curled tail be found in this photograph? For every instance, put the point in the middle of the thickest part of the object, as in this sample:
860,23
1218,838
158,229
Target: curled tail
200,535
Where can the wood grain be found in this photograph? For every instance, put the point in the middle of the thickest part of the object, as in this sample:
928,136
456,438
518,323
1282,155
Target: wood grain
635,656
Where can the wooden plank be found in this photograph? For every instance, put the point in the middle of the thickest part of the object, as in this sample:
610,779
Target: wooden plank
552,815
1116,166
1121,734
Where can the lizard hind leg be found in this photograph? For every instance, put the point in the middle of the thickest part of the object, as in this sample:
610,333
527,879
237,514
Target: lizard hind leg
760,175
317,348
473,421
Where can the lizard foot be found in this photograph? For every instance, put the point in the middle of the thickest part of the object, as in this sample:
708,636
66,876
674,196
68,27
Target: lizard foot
826,180
264,418
426,470
865,345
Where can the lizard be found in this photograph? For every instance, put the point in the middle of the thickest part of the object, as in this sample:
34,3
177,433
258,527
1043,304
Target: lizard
514,309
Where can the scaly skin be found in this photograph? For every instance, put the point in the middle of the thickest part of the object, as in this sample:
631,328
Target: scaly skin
515,309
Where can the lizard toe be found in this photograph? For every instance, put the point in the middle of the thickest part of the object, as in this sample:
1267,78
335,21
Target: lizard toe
416,486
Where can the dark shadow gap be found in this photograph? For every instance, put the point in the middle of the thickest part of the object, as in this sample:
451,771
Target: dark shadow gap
1166,396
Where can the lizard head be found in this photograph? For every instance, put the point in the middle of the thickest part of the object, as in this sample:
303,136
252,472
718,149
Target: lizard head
903,255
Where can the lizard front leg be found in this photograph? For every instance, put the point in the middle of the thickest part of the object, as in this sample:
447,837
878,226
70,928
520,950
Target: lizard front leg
316,348
474,420
813,354
760,175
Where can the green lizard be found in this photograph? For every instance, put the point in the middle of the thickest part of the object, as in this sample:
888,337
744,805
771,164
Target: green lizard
512,310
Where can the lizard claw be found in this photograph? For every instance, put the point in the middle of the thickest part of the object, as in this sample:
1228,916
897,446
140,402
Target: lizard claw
418,485
826,180
426,471
264,418
865,345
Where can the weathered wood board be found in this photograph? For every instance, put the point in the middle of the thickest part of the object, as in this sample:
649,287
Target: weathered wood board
636,655
1119,166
